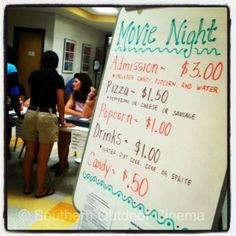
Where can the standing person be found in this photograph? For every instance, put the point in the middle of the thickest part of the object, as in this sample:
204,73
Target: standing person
81,103
40,127
13,92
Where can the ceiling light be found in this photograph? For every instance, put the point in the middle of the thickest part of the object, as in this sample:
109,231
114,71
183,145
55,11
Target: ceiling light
106,10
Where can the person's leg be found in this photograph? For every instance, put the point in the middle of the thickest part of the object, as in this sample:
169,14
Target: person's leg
42,168
63,152
8,141
30,154
10,124
63,148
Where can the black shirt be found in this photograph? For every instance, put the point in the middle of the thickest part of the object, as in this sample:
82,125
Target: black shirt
43,86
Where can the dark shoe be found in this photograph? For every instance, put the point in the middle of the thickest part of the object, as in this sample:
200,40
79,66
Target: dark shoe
57,165
28,192
49,192
59,172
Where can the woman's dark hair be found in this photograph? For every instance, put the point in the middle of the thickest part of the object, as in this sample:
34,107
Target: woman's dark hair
86,83
49,60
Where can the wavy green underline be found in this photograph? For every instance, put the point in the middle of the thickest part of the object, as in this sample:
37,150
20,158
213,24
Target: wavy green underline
128,199
213,50
186,53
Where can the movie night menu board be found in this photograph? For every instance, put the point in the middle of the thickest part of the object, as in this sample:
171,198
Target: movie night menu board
156,153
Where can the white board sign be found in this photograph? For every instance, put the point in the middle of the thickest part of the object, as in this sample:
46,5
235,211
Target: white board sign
157,146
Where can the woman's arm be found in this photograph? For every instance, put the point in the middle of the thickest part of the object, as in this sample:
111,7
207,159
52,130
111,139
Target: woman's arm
69,108
89,104
27,102
61,105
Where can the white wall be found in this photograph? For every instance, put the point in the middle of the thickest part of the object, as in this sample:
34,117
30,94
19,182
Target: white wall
80,33
57,28
31,19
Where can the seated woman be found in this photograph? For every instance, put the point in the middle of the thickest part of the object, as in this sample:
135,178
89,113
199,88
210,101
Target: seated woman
81,103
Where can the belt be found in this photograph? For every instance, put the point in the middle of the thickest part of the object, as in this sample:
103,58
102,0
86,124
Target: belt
42,109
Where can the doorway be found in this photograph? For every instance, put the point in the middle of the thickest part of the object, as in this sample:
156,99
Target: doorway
29,45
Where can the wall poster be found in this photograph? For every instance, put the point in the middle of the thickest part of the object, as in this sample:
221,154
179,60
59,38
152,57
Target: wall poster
157,146
68,56
86,58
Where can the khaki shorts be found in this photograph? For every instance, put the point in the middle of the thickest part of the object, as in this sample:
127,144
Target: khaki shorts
41,127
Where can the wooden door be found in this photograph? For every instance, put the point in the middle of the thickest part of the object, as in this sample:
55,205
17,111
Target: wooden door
30,47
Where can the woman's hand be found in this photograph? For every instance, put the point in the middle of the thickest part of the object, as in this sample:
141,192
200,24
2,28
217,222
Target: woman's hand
68,125
92,94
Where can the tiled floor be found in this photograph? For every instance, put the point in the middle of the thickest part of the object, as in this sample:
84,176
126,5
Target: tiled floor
55,212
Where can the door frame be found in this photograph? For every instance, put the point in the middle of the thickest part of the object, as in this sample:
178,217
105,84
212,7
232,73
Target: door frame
18,30
17,42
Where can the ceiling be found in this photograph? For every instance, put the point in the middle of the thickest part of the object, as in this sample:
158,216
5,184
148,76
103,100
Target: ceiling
86,15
